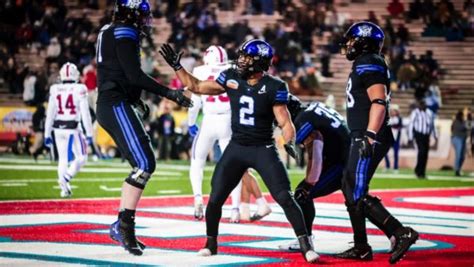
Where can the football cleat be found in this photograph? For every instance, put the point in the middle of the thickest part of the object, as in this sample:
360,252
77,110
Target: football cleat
294,246
357,253
404,238
66,190
210,248
124,233
307,249
234,216
198,211
262,211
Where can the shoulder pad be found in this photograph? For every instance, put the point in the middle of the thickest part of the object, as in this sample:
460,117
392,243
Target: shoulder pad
125,32
370,63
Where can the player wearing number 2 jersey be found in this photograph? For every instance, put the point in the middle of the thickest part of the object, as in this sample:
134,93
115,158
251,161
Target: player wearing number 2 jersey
256,100
67,107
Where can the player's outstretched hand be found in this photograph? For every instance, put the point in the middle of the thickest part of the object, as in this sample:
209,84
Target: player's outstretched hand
290,149
171,57
179,97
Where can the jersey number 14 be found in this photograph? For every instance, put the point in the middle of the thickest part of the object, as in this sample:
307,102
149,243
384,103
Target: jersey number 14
69,104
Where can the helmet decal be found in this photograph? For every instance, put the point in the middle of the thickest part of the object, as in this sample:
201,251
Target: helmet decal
364,31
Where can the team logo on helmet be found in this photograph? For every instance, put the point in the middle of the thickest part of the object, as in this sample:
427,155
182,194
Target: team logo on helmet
364,31
133,3
263,50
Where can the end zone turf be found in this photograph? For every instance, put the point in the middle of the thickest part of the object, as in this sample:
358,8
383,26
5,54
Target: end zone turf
75,232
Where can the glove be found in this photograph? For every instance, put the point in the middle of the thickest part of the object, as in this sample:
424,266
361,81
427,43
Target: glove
90,141
193,130
302,192
142,109
179,97
365,148
48,141
171,57
290,149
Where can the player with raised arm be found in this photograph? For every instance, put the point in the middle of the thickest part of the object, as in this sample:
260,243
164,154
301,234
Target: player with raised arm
256,100
215,126
368,96
120,110
67,107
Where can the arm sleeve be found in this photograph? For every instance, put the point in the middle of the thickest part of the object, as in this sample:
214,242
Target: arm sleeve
193,111
85,113
281,95
128,57
222,79
48,125
316,162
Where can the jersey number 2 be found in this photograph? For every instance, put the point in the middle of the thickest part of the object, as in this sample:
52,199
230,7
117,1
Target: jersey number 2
69,105
246,111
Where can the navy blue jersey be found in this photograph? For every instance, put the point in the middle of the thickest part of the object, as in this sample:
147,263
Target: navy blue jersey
330,124
119,72
367,70
252,106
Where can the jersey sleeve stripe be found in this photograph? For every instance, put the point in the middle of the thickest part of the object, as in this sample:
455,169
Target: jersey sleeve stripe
123,32
303,132
369,68
126,36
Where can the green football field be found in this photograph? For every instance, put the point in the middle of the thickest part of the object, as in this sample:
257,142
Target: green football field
22,178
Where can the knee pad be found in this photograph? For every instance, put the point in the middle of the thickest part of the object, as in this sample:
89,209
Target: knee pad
373,208
138,178
285,198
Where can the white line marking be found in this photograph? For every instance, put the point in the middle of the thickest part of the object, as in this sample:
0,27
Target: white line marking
13,184
111,189
169,191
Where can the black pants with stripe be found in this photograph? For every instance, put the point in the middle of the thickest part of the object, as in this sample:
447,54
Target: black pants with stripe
126,129
355,186
235,160
423,145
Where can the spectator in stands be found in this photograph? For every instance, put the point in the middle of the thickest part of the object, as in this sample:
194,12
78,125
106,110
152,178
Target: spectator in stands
29,88
470,127
421,127
396,9
89,78
53,50
396,124
403,34
53,74
433,98
415,10
373,18
459,132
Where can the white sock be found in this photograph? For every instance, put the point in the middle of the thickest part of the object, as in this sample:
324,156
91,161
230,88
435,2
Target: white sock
197,198
261,201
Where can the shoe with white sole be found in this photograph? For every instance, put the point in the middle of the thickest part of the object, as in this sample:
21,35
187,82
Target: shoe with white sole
210,248
66,190
307,249
294,246
262,211
234,216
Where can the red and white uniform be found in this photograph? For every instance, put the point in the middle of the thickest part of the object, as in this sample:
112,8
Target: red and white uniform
216,122
67,107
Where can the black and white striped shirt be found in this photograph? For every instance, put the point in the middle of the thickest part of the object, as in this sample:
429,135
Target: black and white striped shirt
422,121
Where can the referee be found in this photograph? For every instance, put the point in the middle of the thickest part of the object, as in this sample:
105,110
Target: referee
421,127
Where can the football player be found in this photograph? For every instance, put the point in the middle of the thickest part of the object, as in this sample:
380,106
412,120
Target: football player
120,110
367,101
215,126
67,106
325,136
256,100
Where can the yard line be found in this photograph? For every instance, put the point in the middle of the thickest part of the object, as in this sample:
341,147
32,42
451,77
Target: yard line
85,169
86,180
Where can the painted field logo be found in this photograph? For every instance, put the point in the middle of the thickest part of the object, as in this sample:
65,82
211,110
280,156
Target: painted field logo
76,232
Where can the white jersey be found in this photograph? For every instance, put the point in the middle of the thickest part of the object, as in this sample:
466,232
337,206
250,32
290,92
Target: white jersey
68,103
218,104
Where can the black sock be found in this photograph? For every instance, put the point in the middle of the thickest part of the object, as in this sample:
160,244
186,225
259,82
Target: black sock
127,215
358,226
213,216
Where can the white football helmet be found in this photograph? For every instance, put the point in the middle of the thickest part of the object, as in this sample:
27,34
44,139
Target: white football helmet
215,55
69,73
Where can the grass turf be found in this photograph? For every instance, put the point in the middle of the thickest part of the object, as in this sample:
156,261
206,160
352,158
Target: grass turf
21,178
